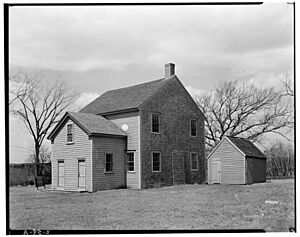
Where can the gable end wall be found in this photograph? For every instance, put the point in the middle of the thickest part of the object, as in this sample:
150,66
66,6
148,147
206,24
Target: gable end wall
81,149
232,164
176,110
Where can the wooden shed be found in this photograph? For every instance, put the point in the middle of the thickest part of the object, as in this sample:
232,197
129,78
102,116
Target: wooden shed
236,161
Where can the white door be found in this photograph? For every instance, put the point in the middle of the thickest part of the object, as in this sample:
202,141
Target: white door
81,173
61,173
216,172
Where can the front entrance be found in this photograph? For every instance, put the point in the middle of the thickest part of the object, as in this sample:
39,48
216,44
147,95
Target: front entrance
216,172
81,173
178,167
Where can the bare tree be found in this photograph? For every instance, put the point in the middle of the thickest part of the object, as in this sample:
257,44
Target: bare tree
280,159
40,107
240,109
45,156
17,88
288,87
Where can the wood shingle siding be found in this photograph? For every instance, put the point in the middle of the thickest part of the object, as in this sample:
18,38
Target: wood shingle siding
120,122
108,180
132,120
232,164
176,109
70,154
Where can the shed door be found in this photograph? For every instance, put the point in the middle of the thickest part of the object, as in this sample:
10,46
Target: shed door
61,173
216,172
81,173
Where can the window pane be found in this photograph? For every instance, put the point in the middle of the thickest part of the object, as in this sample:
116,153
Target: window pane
193,127
70,128
155,123
130,161
109,163
156,161
70,138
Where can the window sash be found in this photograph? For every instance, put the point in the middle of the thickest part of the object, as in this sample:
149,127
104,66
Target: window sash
108,163
155,123
70,133
70,128
69,137
193,127
156,162
130,161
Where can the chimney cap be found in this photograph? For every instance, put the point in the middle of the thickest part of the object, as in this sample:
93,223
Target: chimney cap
169,70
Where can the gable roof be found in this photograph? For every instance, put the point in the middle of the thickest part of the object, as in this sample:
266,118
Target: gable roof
244,146
92,124
125,98
247,147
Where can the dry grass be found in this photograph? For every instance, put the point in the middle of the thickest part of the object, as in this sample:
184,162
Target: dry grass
176,207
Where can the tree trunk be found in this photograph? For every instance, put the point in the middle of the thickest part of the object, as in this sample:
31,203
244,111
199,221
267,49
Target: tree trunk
36,161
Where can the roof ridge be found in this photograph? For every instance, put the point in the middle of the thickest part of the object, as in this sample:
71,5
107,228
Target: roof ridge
158,89
246,146
127,87
124,98
109,122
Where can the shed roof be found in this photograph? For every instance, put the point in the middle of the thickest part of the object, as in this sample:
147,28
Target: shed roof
92,124
247,147
125,98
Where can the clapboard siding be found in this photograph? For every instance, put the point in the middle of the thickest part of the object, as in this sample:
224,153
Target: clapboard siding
71,153
101,179
258,171
132,120
232,164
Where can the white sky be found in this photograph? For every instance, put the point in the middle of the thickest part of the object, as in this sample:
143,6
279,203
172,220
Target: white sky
100,48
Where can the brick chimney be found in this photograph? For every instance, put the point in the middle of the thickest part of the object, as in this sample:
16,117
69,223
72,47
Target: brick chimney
169,70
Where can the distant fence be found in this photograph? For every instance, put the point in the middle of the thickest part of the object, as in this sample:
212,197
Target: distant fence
23,174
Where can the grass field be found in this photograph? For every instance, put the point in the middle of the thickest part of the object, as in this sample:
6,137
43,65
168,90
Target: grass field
175,207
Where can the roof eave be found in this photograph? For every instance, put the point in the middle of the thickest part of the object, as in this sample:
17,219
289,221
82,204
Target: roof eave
228,139
106,135
258,157
119,111
56,129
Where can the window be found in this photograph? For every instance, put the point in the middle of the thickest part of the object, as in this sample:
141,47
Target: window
155,123
130,161
194,161
70,133
193,127
109,163
156,161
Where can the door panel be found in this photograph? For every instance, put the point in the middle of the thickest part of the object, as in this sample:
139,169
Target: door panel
216,172
178,167
81,173
61,173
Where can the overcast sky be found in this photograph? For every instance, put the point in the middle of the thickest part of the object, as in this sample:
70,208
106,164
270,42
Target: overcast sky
100,48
